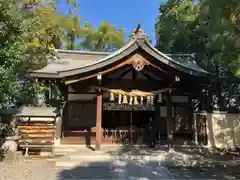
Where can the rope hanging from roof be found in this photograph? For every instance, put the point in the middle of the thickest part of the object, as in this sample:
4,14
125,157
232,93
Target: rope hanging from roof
133,92
131,97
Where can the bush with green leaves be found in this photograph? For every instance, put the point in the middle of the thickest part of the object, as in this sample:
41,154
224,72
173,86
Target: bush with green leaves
5,130
12,48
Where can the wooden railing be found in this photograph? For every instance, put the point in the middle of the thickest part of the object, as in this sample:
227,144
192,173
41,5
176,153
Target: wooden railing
141,137
126,137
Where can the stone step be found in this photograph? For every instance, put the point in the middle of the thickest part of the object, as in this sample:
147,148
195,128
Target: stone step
105,157
90,157
80,160
93,163
68,164
64,150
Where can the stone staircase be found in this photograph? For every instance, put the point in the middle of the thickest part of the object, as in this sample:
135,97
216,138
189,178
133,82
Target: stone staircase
63,150
77,159
74,156
81,156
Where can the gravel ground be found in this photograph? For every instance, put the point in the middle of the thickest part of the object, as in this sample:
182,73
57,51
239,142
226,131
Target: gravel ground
43,170
213,172
46,170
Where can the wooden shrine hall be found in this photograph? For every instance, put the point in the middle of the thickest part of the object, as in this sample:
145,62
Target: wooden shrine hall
110,98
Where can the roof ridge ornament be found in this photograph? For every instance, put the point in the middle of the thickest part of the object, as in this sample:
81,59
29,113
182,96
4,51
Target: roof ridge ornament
138,33
138,62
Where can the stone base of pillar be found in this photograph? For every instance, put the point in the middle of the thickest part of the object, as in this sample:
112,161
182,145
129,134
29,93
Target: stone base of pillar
97,147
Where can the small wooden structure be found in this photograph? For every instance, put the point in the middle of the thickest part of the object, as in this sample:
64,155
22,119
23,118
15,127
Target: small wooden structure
110,97
37,126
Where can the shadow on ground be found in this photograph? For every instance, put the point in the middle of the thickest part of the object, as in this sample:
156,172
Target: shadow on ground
90,171
138,169
117,170
203,172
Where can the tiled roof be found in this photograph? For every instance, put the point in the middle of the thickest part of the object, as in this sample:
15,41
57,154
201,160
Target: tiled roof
37,111
71,59
70,63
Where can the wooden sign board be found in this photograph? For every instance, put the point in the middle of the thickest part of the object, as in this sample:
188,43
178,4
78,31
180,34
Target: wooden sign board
127,107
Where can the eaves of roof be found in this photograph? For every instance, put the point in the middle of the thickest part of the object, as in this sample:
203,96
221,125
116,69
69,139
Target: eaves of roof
190,68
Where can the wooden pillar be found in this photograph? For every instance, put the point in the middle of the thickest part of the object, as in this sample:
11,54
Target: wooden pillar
195,128
169,120
203,99
65,109
99,115
99,122
157,119
190,114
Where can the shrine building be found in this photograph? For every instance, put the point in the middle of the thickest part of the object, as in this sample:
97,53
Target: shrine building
109,98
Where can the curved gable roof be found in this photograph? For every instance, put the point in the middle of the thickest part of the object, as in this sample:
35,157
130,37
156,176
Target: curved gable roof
69,67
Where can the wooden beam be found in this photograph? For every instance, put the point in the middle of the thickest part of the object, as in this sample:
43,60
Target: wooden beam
160,73
145,75
95,74
157,70
126,84
125,72
99,122
134,75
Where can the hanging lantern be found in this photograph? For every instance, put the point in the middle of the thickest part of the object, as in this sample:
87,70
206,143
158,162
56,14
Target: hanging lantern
111,96
131,99
135,102
125,101
141,100
151,100
119,99
159,98
177,79
148,99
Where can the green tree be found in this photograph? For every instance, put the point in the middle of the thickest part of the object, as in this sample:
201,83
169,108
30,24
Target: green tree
220,21
28,31
12,49
72,31
175,26
208,28
43,31
105,38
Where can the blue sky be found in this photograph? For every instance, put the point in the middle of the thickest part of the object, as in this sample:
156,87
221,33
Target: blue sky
122,13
